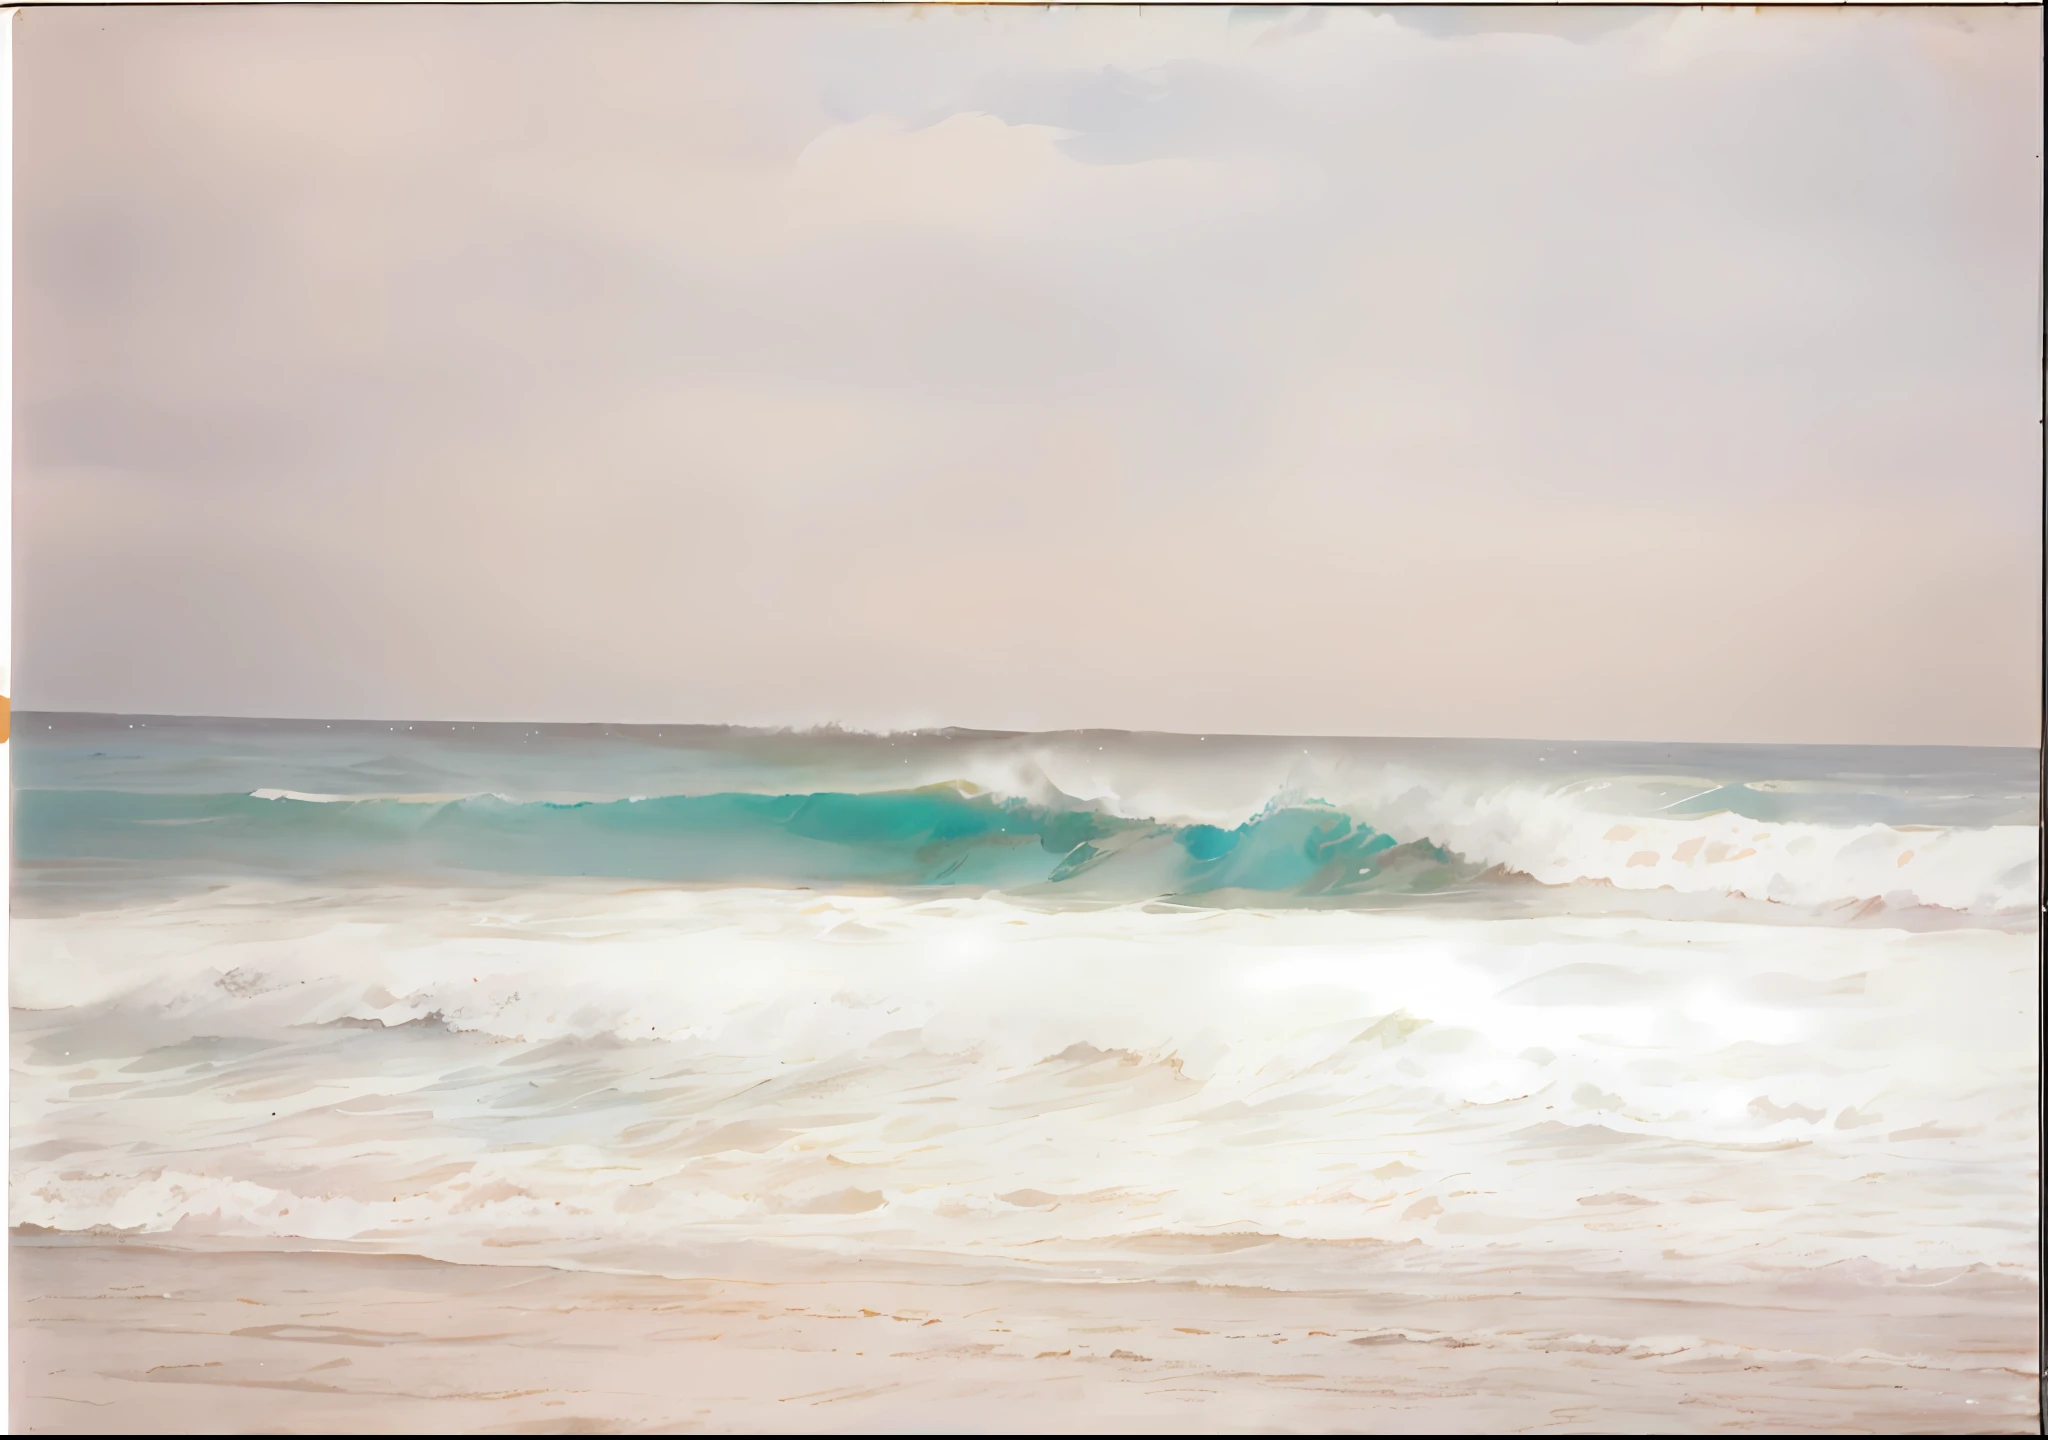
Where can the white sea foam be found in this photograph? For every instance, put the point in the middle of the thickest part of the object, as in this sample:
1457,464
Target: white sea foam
1589,831
1561,838
306,797
568,1072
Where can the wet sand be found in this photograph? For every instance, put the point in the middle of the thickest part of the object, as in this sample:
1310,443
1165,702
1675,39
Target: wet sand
119,1336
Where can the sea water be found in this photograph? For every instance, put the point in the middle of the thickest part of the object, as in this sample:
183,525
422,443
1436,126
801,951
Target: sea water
1091,1004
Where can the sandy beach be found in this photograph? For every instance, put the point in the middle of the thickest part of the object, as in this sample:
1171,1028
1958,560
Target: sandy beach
131,1337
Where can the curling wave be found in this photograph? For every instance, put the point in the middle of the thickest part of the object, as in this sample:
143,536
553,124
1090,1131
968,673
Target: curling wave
1407,839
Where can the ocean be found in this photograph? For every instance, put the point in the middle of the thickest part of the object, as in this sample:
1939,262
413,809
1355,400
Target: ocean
1092,1006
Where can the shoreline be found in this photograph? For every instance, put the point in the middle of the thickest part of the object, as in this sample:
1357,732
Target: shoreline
127,1335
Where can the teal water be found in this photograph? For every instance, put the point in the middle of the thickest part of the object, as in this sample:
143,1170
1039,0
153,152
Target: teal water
1082,816
936,836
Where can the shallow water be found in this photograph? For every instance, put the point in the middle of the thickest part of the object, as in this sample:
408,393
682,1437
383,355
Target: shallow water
576,1073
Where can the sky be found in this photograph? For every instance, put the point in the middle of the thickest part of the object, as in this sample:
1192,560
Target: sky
1631,374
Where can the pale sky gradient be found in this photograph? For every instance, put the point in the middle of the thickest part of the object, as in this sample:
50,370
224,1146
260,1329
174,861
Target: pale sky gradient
1630,374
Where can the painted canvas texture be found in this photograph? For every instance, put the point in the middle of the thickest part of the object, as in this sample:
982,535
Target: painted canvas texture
698,702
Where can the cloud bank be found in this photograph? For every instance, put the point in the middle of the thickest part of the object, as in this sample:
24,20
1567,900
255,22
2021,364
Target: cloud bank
1661,374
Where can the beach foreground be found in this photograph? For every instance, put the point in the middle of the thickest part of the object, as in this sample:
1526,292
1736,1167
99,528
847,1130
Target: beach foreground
132,1337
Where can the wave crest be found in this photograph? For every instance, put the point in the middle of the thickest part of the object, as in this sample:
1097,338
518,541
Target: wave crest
1299,847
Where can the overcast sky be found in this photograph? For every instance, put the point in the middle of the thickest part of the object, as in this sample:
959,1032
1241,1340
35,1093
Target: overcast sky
1651,374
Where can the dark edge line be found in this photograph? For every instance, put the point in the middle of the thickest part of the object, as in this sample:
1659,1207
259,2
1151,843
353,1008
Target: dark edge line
2041,801
1590,6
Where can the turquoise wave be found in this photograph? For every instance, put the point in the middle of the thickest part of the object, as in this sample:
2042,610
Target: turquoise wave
945,835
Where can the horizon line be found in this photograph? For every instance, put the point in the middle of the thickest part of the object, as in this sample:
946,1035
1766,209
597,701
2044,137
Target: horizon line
837,728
